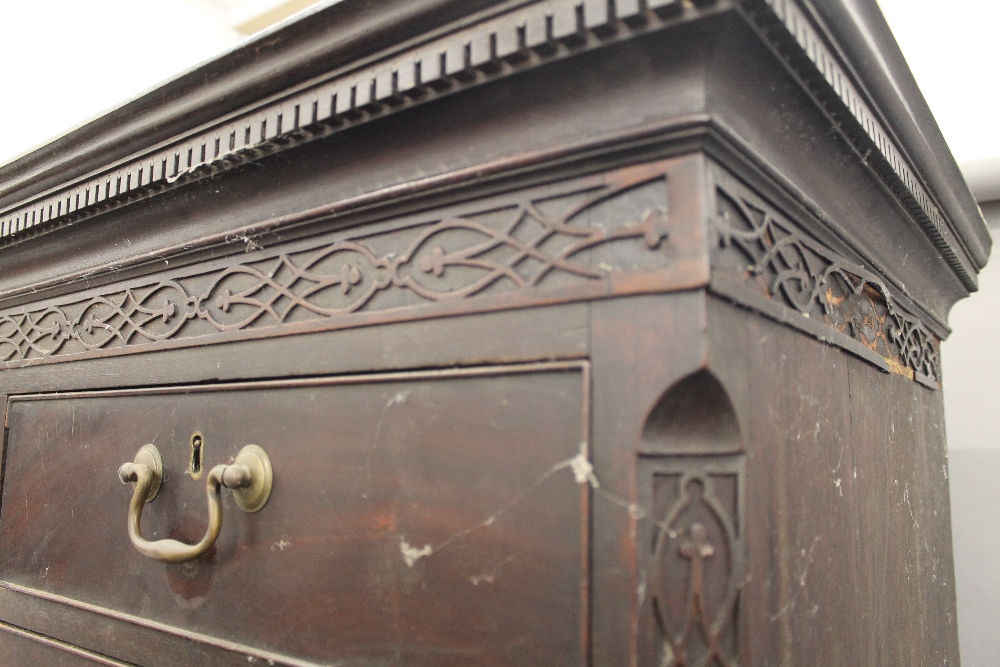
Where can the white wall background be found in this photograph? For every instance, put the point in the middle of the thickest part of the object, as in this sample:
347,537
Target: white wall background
951,48
971,360
954,54
65,61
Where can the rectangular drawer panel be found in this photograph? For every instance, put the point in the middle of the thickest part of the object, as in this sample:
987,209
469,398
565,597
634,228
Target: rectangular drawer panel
21,648
423,518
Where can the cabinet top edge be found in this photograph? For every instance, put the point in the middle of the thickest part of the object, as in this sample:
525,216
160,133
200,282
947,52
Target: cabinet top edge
329,36
843,48
862,31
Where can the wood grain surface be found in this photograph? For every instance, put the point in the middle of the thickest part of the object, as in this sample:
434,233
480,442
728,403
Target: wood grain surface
426,517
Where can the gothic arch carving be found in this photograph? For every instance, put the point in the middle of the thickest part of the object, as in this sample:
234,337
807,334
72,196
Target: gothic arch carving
691,477
694,416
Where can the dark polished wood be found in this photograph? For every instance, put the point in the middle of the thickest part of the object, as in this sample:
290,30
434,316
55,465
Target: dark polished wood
577,333
393,517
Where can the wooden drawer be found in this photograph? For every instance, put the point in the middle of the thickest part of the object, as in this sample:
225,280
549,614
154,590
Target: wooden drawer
423,518
22,647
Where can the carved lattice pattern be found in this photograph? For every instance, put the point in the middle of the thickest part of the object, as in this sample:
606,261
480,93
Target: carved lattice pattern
781,262
694,569
533,246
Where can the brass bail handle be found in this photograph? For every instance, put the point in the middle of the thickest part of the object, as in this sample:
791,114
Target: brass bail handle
249,476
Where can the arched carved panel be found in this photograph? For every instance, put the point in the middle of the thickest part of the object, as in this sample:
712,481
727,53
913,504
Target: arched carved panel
693,417
692,551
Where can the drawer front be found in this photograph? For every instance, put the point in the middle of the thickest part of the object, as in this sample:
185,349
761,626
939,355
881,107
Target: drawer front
20,648
417,518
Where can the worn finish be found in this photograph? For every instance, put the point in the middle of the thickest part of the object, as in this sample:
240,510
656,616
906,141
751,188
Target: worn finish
411,524
249,477
640,347
582,239
905,495
802,571
576,333
22,647
759,253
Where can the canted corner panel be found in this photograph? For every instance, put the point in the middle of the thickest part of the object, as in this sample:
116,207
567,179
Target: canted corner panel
586,238
763,259
691,546
509,40
694,562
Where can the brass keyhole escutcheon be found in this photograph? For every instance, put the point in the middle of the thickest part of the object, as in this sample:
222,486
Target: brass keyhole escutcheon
197,455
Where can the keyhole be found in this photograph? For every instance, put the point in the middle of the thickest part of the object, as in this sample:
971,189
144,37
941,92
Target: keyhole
197,445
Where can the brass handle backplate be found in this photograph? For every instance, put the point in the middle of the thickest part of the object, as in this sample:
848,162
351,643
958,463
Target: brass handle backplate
249,476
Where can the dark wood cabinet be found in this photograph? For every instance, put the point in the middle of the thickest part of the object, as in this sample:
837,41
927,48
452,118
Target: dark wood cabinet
575,333
491,548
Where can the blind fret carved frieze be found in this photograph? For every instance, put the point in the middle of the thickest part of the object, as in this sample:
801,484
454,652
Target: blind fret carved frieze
761,258
562,242
694,565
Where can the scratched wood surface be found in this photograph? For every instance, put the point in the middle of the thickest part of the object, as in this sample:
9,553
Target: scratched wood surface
849,557
636,236
19,647
406,524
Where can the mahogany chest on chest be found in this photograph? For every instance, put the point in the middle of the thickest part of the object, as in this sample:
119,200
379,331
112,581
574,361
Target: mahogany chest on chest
562,332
